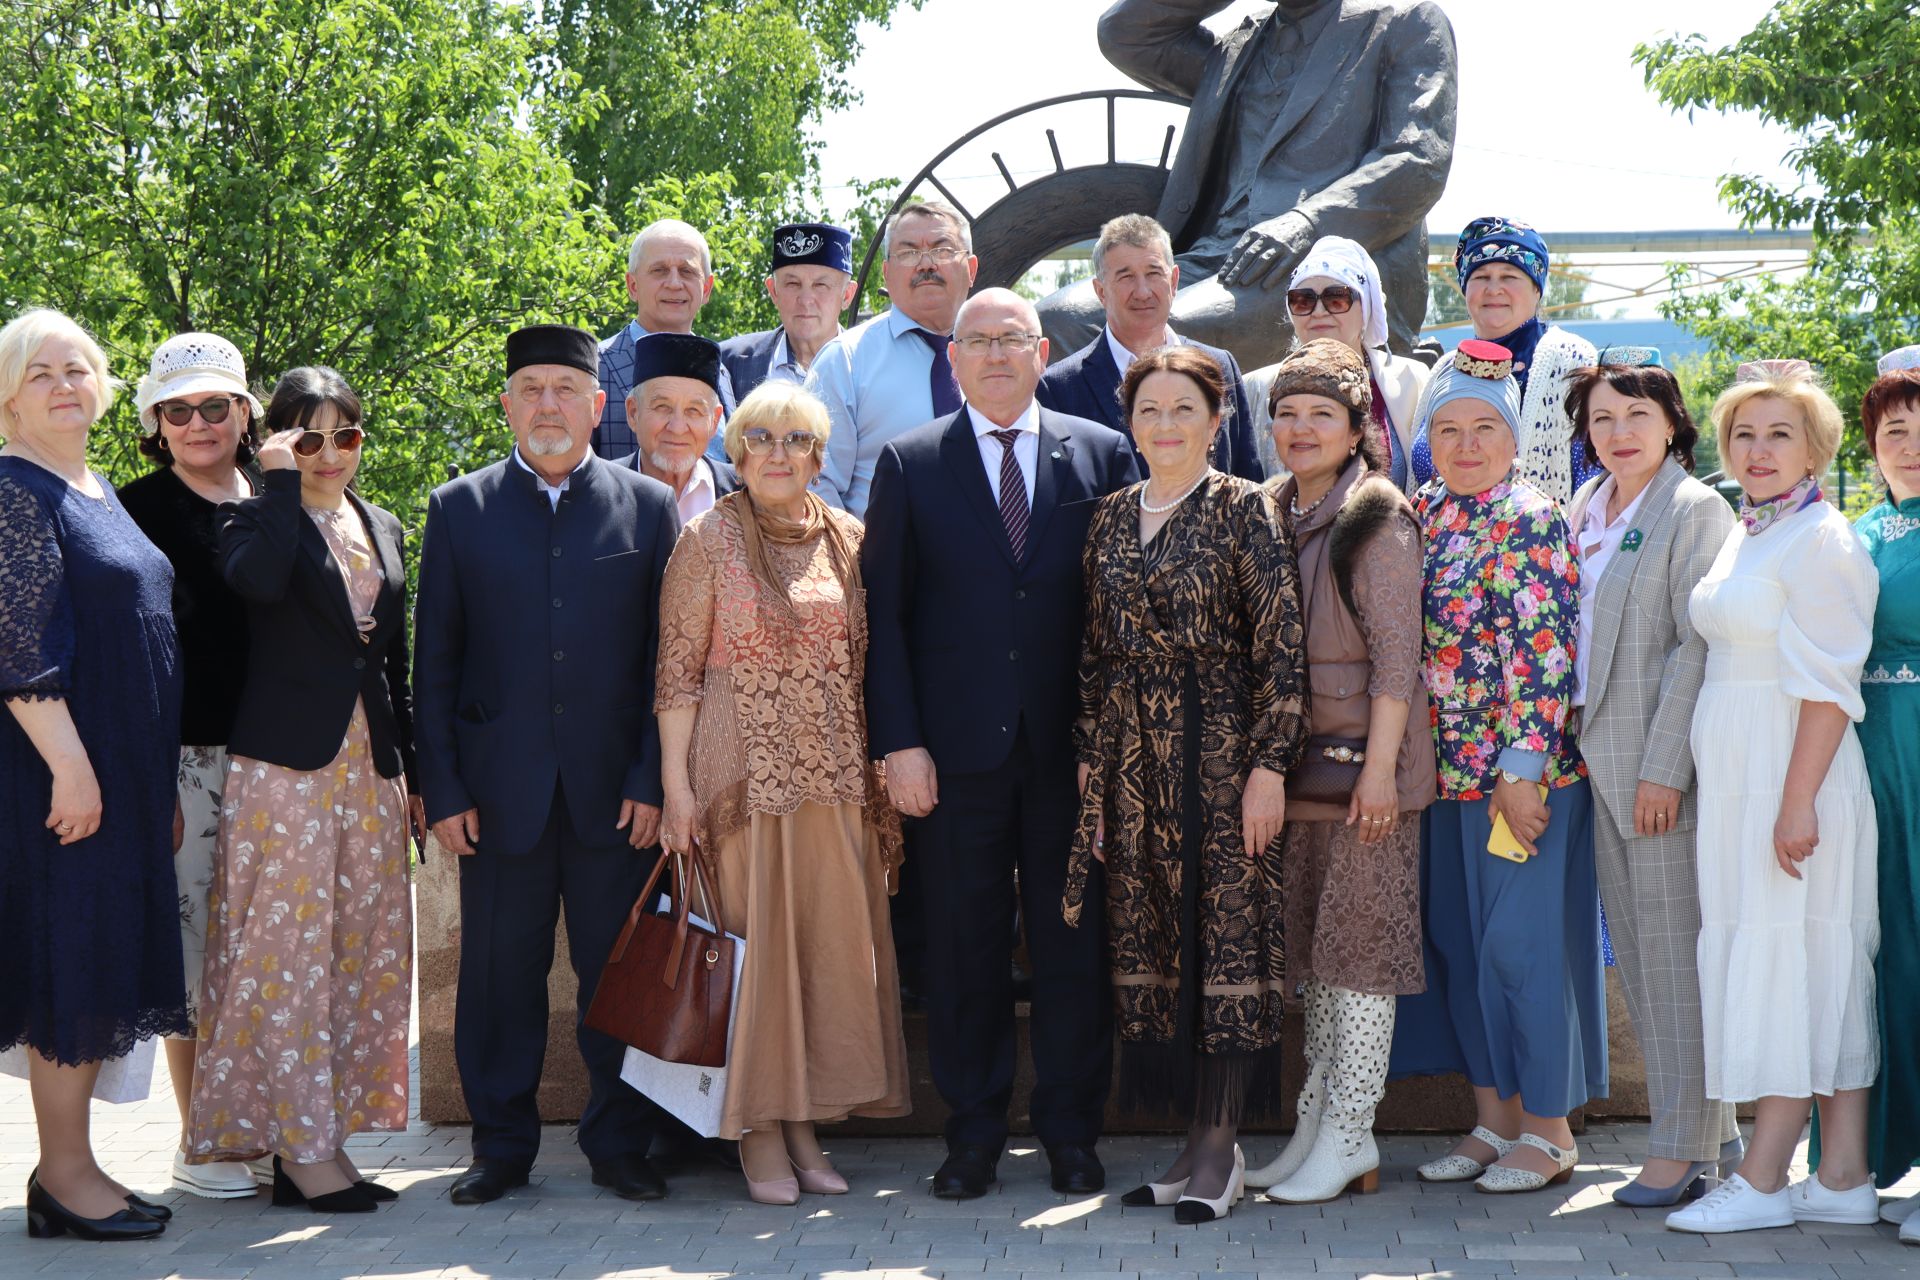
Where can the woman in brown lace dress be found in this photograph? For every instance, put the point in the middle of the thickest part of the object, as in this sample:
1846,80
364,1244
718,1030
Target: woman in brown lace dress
1351,868
1193,709
764,762
309,971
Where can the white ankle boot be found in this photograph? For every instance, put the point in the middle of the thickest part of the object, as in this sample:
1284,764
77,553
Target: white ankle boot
1313,1095
1344,1157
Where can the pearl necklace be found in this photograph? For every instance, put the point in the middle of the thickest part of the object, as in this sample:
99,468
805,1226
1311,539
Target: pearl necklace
1294,504
1165,507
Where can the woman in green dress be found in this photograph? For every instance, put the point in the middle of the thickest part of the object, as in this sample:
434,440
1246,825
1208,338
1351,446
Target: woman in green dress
1890,736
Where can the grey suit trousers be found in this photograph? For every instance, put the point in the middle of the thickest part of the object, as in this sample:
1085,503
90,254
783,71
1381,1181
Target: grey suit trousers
1650,887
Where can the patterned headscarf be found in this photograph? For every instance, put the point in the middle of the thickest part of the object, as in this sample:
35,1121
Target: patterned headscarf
1501,240
1347,261
1478,371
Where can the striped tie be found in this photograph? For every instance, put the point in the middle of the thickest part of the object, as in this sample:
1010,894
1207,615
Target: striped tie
1013,493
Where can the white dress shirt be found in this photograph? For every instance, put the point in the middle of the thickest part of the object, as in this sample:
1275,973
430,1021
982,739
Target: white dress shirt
1598,541
1026,447
698,496
1125,358
552,492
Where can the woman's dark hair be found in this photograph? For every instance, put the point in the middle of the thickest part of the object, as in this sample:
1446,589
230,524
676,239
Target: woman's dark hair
1897,389
153,445
1636,382
300,393
1195,364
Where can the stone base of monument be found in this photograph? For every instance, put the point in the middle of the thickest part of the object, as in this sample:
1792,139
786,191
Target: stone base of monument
1437,1103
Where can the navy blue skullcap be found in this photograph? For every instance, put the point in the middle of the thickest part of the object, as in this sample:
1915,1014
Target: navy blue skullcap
813,244
552,344
676,355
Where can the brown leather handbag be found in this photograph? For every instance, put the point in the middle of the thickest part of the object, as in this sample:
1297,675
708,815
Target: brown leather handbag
1328,771
667,987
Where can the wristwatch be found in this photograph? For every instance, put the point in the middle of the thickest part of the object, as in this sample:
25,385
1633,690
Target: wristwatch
1511,778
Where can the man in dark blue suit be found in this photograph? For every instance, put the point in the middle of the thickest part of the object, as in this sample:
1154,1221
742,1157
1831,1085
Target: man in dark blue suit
1135,276
535,634
971,560
674,411
811,284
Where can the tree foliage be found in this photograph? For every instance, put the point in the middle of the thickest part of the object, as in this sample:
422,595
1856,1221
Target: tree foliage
1563,300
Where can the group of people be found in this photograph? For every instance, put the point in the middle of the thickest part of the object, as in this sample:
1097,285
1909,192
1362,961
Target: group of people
1344,683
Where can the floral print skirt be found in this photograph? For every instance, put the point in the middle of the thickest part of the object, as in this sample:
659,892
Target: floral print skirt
303,1015
203,772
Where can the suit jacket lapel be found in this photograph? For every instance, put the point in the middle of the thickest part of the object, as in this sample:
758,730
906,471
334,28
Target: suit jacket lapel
1052,465
333,583
1102,377
961,453
1610,598
1321,63
393,567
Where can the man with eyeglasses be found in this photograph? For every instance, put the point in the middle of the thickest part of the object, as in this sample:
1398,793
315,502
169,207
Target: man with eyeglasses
811,284
892,373
669,278
1135,277
971,562
674,412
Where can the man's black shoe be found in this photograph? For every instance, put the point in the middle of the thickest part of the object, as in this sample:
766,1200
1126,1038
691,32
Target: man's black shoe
1077,1171
487,1180
967,1174
672,1152
630,1178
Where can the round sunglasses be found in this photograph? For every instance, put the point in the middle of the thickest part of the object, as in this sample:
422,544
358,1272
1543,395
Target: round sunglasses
1338,300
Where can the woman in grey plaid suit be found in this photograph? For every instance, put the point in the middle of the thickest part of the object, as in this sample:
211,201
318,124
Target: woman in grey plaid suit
1646,532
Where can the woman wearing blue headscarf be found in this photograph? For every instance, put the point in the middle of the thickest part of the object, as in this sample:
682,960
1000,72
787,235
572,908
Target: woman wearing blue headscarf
1502,268
1515,997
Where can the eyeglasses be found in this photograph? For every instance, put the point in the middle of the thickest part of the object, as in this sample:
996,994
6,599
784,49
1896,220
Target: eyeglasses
1011,343
308,444
212,412
1338,300
939,255
760,440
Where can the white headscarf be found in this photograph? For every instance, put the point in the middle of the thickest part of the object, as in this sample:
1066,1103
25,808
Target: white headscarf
1347,261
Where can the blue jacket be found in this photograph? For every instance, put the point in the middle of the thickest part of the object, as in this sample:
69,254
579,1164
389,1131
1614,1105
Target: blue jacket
964,642
535,632
1086,384
747,359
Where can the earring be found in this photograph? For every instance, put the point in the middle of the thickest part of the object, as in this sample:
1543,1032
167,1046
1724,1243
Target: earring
1669,439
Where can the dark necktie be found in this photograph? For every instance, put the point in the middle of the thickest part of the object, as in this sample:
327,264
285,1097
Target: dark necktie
946,394
1013,493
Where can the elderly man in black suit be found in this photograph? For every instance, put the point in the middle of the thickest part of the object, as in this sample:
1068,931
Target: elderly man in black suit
535,633
1135,276
975,528
811,284
674,411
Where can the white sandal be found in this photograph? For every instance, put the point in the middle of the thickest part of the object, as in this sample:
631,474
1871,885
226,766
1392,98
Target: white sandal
1458,1168
1503,1179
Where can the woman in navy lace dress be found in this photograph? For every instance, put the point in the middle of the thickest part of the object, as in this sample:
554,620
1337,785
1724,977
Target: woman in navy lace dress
89,673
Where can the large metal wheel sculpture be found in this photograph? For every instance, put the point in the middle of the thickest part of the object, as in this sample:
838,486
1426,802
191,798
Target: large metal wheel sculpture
1045,214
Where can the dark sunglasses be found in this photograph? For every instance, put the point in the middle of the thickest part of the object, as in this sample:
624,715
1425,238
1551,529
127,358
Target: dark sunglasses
760,440
180,413
1338,300
309,443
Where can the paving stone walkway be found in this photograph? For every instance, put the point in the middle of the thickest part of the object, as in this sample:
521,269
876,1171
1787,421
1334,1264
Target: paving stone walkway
889,1227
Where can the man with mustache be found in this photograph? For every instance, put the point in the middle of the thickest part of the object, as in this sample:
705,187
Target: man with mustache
892,373
811,284
535,632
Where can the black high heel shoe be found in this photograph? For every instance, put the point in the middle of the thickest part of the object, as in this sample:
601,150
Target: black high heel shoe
287,1193
48,1218
375,1192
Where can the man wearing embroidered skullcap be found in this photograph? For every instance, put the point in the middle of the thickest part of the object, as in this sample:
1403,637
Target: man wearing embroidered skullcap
674,412
535,635
811,284
669,278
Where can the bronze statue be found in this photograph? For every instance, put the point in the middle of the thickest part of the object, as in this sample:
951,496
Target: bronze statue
1322,117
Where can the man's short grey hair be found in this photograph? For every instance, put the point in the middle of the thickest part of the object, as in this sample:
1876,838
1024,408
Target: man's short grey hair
1136,230
930,209
669,227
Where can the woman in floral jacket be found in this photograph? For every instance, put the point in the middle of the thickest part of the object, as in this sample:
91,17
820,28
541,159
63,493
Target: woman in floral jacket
1515,996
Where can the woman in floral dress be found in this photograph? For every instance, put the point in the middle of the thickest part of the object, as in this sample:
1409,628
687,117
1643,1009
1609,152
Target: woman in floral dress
1515,996
303,1024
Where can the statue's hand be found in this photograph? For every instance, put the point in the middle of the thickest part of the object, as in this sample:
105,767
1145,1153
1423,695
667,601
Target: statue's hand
1268,252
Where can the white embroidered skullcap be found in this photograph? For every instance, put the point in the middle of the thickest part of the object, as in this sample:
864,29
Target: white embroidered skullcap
191,363
1348,261
1901,358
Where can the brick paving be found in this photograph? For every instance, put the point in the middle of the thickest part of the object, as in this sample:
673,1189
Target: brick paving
564,1227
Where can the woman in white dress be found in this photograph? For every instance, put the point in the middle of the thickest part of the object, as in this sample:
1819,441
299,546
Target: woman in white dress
1787,841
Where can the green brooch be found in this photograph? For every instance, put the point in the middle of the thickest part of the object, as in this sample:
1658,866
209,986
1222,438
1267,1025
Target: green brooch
1631,542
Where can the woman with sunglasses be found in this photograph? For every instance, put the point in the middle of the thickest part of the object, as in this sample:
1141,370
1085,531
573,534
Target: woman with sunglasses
763,639
1502,268
1336,293
303,1024
199,418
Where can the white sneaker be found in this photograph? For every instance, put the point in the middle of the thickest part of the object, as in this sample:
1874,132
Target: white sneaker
222,1180
1734,1206
1900,1211
1910,1230
1814,1201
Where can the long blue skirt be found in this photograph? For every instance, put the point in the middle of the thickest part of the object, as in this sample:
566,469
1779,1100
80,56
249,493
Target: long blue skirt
1516,994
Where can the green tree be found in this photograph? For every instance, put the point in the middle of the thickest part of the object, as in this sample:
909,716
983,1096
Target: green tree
360,183
1841,75
1564,299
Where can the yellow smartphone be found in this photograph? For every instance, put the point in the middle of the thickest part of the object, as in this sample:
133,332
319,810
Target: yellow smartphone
1502,844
